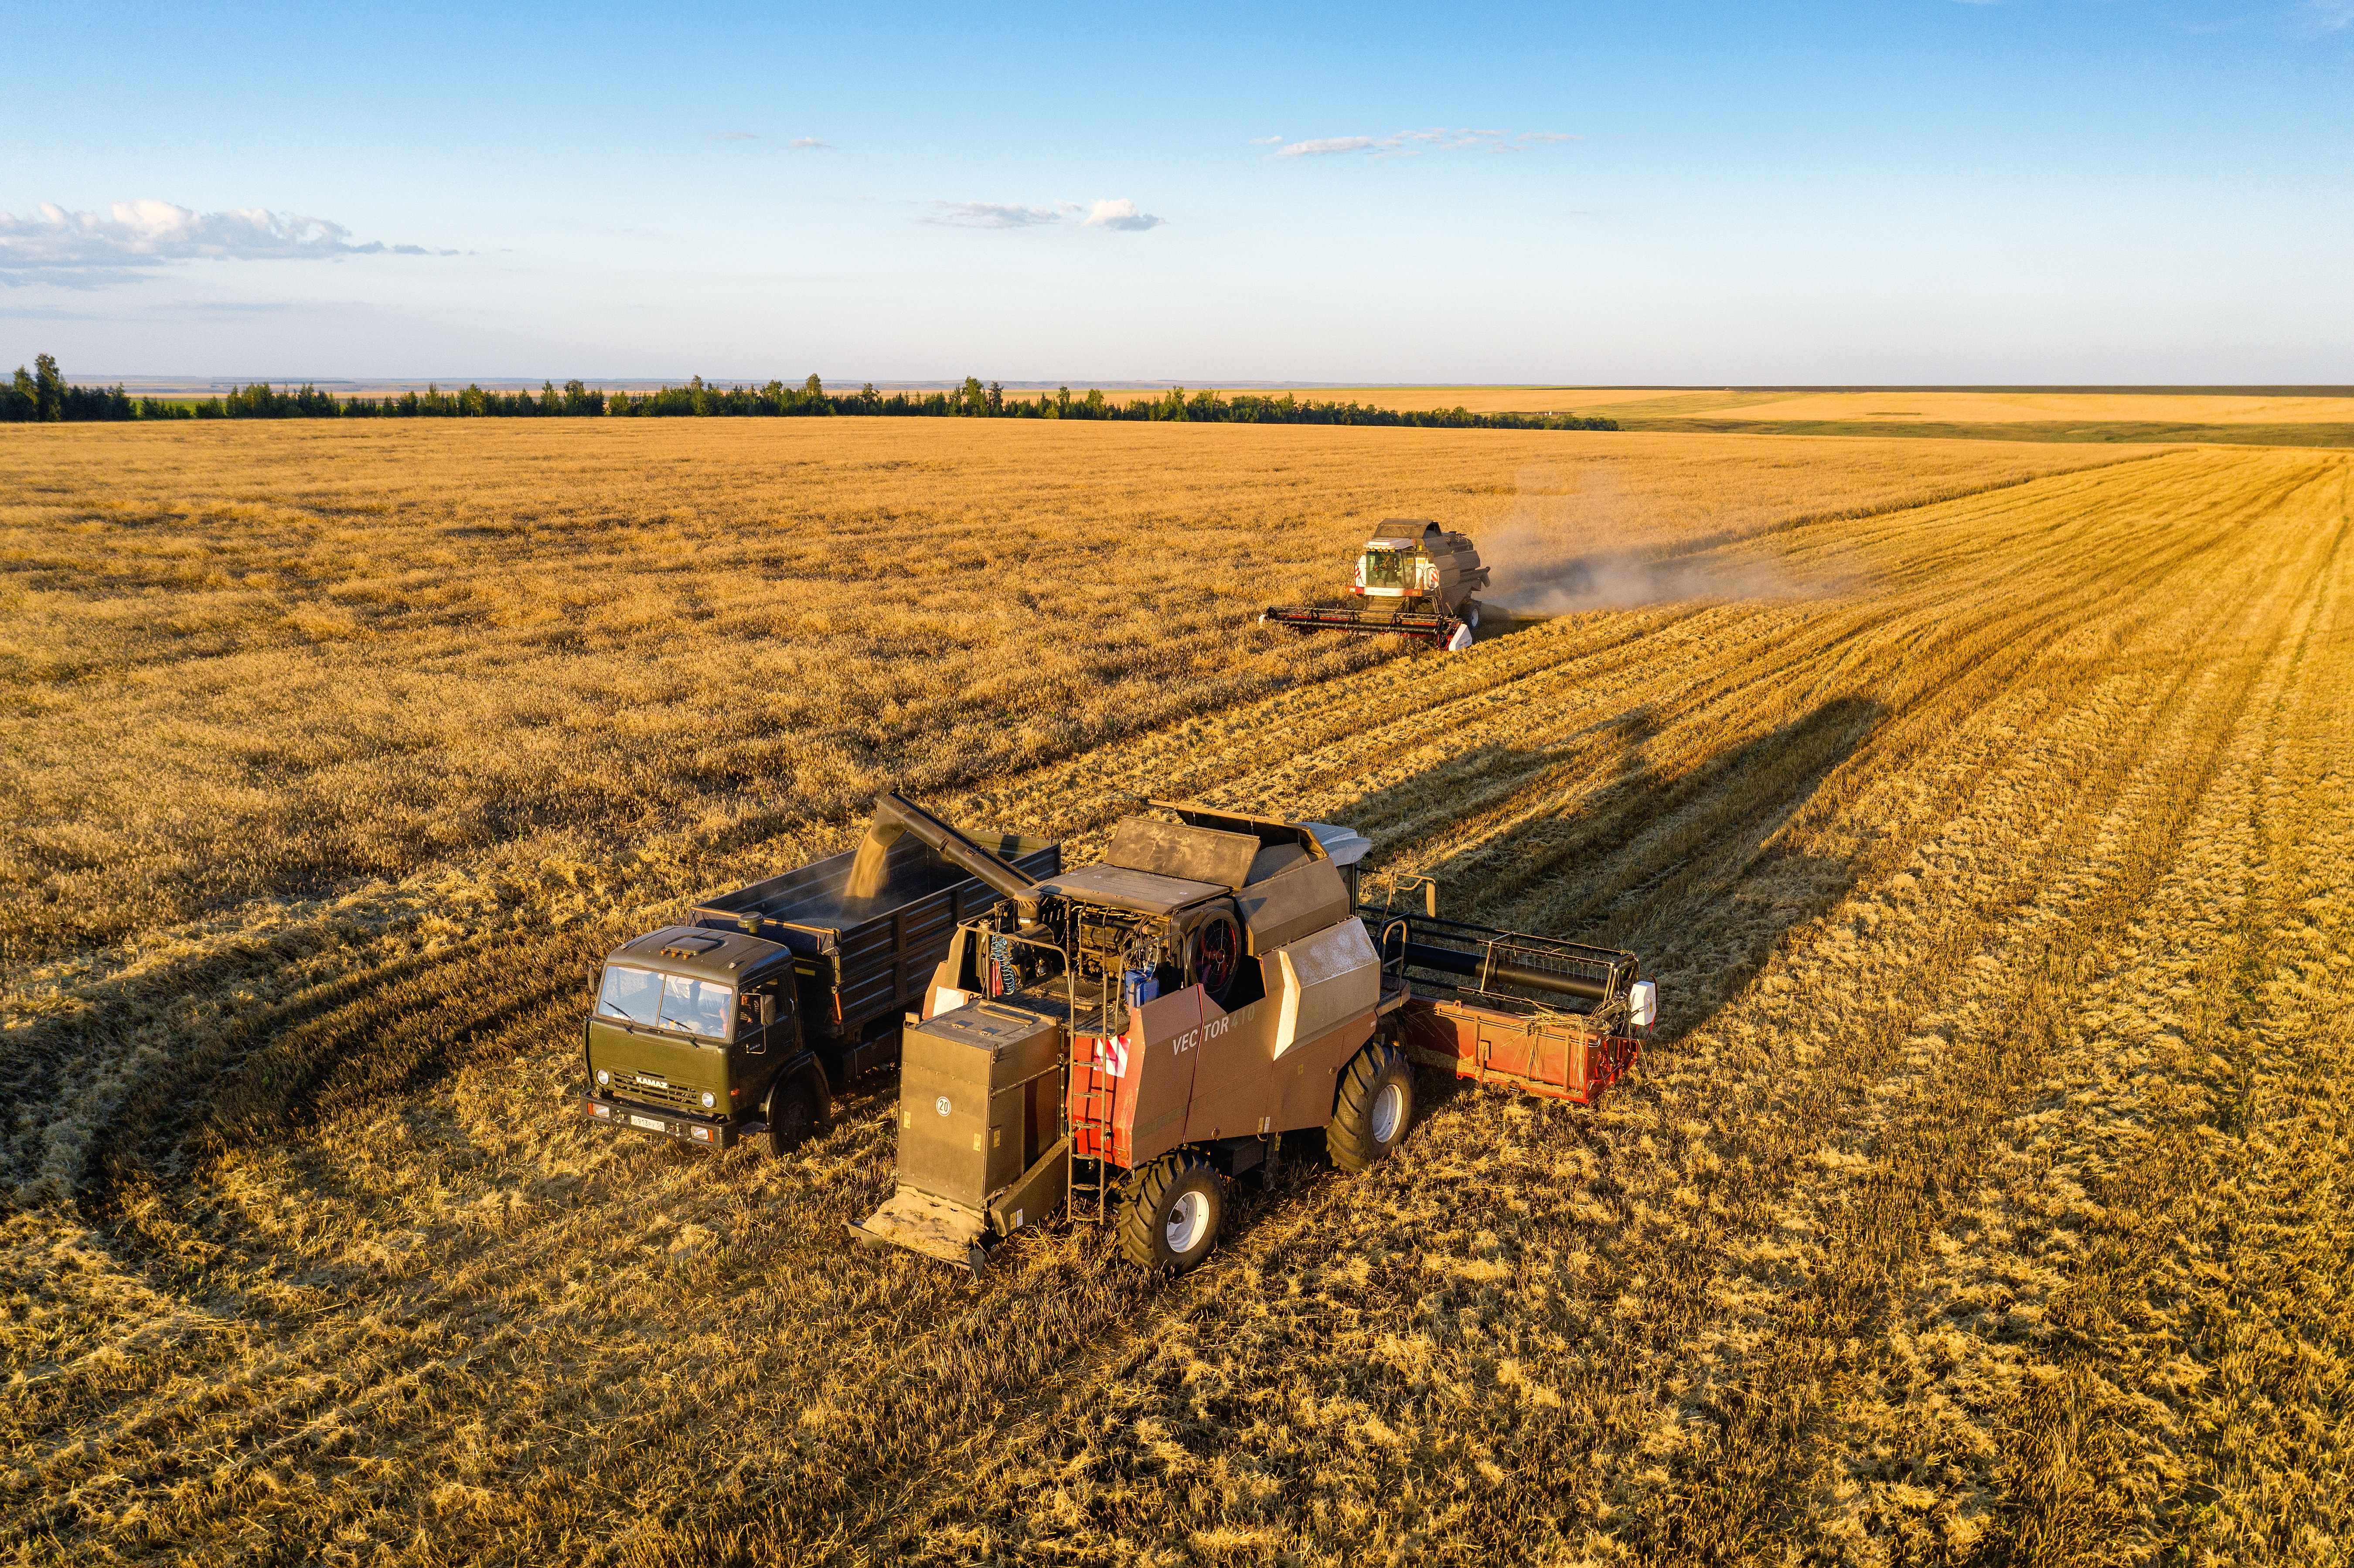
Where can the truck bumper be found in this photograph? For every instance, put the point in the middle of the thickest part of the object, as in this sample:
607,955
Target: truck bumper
704,1132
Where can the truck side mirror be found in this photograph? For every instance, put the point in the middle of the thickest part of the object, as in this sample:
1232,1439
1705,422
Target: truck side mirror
768,1010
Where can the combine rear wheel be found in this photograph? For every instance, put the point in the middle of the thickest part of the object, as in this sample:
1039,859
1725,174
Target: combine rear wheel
1372,1109
1174,1213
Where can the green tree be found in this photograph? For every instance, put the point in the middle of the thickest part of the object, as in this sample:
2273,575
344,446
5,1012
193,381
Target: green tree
48,389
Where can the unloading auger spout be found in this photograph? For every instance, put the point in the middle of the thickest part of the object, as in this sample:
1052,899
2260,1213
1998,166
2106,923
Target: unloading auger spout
896,814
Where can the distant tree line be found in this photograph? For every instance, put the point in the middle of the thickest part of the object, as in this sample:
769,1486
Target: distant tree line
45,395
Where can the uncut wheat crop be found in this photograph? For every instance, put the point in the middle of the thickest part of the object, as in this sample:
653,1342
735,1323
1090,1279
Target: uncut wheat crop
1982,809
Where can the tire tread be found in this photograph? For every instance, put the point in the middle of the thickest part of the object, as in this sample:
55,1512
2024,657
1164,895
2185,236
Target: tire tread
1139,1216
1349,1137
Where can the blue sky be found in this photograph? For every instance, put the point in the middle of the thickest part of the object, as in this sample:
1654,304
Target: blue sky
2050,191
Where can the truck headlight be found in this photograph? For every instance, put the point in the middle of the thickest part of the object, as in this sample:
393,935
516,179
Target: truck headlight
709,1099
603,1077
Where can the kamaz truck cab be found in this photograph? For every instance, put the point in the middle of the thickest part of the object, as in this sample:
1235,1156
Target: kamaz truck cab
697,1034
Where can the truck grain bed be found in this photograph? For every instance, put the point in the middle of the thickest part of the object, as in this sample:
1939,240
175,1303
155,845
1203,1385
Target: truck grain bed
873,955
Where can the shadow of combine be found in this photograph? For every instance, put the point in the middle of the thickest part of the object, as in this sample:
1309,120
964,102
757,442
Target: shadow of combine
1684,865
1681,863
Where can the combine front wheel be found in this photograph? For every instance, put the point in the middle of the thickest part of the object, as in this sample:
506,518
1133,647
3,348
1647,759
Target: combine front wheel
1371,1113
1174,1213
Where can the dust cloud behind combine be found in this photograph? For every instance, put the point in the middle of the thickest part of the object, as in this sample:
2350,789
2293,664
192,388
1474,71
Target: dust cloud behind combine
1981,1199
1574,541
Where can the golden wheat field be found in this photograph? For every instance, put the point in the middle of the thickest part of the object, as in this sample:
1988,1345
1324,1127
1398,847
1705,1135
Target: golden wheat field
1985,810
1955,406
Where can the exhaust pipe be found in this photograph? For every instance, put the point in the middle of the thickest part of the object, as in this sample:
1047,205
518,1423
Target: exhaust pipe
896,814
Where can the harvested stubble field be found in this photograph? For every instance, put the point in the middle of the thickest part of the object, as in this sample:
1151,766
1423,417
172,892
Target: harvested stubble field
1981,1201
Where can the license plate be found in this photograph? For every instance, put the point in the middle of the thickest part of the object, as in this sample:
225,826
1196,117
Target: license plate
649,1123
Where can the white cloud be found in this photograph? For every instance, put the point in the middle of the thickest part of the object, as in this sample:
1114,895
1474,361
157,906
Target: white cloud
734,136
83,250
813,143
1120,214
1318,149
1266,141
1408,144
995,215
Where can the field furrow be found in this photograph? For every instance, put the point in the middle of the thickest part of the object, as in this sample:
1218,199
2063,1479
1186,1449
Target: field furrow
1778,1115
1980,1200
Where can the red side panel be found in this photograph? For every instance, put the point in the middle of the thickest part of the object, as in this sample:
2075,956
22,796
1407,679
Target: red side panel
1138,1082
1094,1094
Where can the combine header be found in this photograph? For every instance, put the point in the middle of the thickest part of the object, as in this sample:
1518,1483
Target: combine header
1414,579
1120,1041
1555,1019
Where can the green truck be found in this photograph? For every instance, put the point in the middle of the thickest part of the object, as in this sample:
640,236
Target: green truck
738,1025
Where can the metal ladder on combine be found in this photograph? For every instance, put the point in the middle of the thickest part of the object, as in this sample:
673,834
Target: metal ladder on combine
1089,1108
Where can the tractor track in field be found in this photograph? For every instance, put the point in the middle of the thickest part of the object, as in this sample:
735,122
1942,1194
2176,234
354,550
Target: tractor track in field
1972,1056
1690,1324
2085,818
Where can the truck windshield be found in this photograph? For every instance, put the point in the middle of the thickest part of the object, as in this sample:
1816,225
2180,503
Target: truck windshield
667,1001
697,1006
1385,569
631,993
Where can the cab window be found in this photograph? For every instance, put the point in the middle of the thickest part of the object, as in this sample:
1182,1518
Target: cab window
1385,569
631,994
696,1006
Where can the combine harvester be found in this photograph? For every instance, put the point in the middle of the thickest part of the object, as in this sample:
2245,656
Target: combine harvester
1121,1040
1414,579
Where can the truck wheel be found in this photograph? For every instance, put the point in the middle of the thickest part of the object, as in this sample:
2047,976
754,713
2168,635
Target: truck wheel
1174,1213
1373,1109
793,1113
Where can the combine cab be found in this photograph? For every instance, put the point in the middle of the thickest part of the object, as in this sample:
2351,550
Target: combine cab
1414,579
